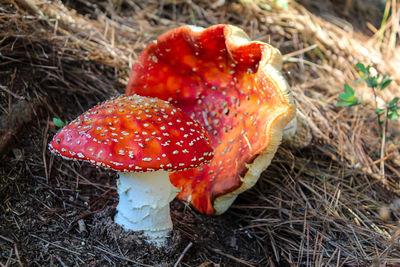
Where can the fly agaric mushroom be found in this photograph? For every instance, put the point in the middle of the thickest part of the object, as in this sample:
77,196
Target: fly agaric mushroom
234,88
143,139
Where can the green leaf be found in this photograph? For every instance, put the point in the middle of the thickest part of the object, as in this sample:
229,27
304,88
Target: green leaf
59,123
344,104
384,78
372,82
393,103
385,83
393,115
346,98
348,90
362,68
379,110
348,103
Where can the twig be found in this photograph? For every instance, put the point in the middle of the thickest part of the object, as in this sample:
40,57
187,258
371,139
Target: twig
15,249
382,165
231,257
301,60
17,255
44,150
53,244
183,254
9,258
11,93
98,186
61,262
359,243
392,242
29,4
299,52
376,107
121,257
387,156
7,239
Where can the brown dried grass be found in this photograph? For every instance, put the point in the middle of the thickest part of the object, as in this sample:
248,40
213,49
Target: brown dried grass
326,205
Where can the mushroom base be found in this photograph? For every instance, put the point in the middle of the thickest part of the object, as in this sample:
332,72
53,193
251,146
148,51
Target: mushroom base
144,204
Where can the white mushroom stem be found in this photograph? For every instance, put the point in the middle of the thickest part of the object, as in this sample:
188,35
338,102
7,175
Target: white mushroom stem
144,204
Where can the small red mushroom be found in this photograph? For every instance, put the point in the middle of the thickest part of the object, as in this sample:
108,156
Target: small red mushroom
234,88
142,138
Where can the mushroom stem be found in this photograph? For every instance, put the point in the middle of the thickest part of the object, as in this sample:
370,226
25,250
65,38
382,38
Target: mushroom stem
144,204
297,133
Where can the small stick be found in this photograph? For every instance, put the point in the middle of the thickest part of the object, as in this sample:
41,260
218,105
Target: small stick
11,93
120,257
46,171
7,239
298,52
232,257
386,156
376,107
57,246
183,254
17,255
382,164
61,262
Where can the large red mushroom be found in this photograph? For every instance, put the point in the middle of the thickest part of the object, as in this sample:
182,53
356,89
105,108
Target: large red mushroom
143,139
235,89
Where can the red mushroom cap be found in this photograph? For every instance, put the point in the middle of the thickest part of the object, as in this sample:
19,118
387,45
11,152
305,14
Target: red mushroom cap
135,133
234,88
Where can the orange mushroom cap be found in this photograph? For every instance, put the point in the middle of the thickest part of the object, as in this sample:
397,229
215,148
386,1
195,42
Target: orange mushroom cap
234,88
135,134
